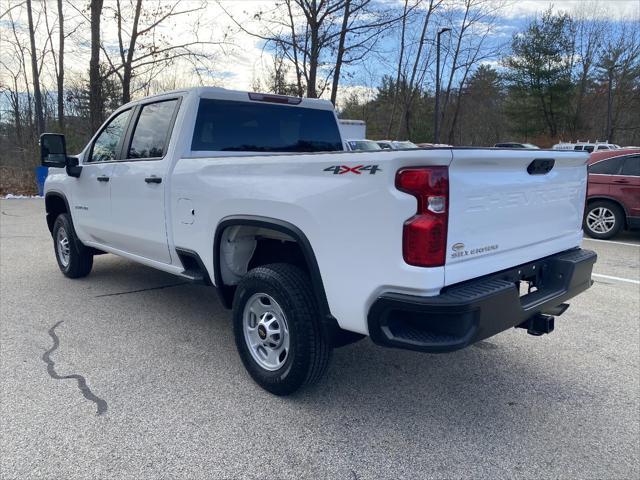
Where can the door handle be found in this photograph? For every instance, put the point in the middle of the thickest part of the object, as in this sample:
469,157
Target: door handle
153,179
102,178
621,181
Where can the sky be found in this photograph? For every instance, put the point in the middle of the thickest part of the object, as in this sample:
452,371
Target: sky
239,64
511,18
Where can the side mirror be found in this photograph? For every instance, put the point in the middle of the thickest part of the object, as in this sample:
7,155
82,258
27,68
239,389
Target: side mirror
53,150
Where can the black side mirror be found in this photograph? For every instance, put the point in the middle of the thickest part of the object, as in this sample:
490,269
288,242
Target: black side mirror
53,150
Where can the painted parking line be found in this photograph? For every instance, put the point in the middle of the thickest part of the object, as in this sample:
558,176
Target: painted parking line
612,241
617,279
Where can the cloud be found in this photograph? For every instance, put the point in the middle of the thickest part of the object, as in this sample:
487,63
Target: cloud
614,10
237,65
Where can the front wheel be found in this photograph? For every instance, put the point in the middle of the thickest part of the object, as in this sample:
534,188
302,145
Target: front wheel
603,219
74,259
278,330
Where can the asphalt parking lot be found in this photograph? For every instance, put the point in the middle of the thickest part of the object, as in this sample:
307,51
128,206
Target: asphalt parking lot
160,366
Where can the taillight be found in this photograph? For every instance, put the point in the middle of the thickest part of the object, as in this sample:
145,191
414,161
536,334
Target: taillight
424,238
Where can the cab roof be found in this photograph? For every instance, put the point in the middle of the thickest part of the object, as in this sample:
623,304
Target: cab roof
244,96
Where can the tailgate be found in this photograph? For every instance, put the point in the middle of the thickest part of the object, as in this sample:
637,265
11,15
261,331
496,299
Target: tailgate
506,210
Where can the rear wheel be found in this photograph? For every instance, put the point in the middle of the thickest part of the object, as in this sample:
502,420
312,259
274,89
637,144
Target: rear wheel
278,331
603,219
74,259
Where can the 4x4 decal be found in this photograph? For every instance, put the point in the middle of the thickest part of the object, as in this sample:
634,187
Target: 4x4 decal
358,169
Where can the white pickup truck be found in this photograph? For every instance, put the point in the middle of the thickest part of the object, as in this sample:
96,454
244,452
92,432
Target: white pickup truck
312,246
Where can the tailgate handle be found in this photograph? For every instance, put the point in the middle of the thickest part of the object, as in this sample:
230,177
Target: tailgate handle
541,166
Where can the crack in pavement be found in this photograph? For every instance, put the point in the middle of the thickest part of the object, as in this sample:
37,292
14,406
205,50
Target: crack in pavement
82,383
142,290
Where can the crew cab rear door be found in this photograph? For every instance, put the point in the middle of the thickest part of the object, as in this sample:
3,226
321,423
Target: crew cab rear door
139,182
509,207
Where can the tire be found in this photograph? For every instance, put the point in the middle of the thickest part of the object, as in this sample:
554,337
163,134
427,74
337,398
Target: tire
278,331
603,219
74,259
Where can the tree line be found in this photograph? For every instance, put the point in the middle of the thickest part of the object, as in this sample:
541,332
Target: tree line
36,93
560,77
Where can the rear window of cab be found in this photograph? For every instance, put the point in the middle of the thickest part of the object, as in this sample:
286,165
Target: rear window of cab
232,126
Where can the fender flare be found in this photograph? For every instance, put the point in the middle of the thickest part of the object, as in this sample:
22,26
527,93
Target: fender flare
283,227
51,194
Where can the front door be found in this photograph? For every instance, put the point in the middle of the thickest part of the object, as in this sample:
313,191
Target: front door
138,184
92,192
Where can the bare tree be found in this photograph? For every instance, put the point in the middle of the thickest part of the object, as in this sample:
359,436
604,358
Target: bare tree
56,57
19,50
60,69
303,30
35,73
418,69
276,78
620,64
95,78
141,50
320,37
11,91
588,32
18,39
363,24
469,45
342,38
403,31
294,48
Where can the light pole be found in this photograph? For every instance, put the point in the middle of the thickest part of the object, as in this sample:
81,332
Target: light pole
436,113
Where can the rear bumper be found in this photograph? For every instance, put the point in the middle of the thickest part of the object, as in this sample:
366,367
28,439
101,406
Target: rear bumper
472,311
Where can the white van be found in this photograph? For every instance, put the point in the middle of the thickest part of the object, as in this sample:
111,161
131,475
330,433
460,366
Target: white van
586,146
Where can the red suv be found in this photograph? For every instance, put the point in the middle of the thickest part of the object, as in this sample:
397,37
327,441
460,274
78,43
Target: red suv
613,194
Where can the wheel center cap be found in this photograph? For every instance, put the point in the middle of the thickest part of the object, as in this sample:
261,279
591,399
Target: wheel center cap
262,332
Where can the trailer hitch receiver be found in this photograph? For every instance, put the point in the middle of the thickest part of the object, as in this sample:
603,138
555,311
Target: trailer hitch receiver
538,324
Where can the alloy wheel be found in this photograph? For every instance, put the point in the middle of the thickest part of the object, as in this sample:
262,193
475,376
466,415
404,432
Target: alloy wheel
601,220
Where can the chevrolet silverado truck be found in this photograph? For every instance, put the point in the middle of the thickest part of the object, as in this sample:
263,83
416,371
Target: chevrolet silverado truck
312,246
